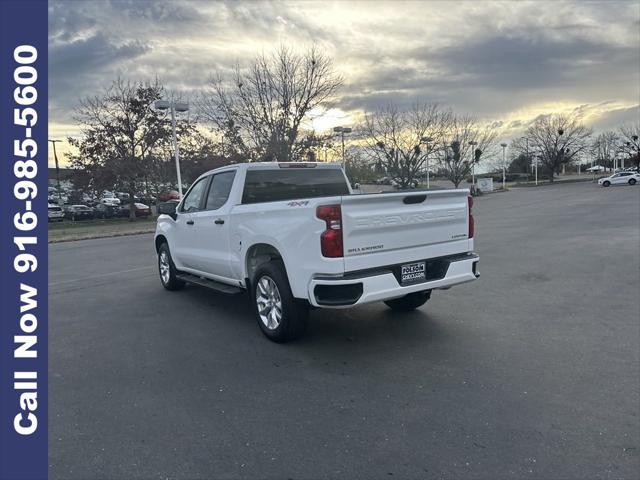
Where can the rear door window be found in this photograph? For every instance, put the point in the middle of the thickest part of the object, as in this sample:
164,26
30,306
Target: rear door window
219,190
292,184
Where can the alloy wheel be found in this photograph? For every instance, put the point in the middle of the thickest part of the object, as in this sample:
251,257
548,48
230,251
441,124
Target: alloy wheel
269,302
165,271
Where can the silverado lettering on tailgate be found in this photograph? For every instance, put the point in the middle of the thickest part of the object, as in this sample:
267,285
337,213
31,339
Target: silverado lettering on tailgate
410,218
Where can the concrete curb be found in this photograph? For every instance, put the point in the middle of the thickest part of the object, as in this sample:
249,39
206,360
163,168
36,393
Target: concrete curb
98,235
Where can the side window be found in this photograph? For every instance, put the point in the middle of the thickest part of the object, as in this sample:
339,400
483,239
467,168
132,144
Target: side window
219,190
193,199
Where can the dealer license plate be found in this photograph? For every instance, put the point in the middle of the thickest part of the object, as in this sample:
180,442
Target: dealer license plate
413,272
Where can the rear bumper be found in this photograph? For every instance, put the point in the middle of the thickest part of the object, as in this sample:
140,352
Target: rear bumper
365,286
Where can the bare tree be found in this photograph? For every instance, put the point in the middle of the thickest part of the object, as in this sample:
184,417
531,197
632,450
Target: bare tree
120,129
604,148
265,104
400,141
465,142
630,142
557,140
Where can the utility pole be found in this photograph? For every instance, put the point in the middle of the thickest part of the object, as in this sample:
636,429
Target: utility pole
55,156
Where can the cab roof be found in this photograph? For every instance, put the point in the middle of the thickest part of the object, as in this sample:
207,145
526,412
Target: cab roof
276,165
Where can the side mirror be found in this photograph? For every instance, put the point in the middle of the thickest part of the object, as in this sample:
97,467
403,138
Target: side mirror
168,208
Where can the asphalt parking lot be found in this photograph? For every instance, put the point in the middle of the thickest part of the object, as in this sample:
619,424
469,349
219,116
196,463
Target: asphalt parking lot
530,372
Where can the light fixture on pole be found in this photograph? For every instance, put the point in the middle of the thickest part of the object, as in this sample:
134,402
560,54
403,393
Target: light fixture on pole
174,107
473,143
342,131
504,163
426,141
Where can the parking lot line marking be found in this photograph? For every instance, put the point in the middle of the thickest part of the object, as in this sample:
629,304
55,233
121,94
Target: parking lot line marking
83,279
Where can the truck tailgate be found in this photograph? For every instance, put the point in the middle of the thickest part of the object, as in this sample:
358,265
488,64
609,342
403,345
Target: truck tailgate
384,228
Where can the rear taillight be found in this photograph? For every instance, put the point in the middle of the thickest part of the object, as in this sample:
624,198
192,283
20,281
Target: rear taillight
331,238
471,223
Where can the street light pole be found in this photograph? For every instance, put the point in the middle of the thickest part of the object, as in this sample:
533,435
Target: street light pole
504,165
176,150
342,131
55,157
426,141
473,143
174,107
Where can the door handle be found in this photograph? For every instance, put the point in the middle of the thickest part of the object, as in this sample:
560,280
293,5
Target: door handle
219,221
190,222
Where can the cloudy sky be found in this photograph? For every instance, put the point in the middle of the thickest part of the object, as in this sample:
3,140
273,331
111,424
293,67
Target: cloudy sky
504,62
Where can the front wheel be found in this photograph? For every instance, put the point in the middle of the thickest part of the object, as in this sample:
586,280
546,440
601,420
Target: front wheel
606,184
167,270
409,302
281,317
632,181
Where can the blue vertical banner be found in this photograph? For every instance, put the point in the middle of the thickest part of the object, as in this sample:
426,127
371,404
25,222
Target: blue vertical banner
23,242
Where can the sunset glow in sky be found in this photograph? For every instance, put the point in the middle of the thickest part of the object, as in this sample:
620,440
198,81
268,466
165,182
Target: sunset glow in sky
504,62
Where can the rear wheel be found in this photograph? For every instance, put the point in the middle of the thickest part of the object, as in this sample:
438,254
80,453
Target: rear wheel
409,302
281,317
606,183
167,270
632,181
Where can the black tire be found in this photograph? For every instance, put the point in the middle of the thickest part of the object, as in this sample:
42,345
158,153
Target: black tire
292,321
606,184
409,302
632,181
170,281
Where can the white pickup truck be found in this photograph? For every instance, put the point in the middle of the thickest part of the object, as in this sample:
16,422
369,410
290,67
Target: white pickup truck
295,236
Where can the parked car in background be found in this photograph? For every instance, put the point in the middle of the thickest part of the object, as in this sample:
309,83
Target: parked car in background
168,195
383,181
106,210
55,213
412,184
620,178
88,199
78,212
110,200
56,199
596,168
142,210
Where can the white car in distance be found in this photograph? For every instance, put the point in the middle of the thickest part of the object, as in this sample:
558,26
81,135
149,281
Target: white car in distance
110,201
620,178
55,213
